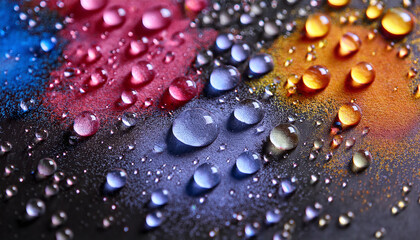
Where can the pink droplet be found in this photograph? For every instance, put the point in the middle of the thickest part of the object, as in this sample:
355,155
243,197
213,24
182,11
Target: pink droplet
137,48
177,39
141,74
196,5
127,99
93,54
92,5
97,78
86,124
169,57
114,16
156,18
183,89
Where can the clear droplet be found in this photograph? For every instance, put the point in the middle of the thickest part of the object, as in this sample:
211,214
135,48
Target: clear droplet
248,163
116,178
284,137
35,207
207,176
287,188
159,198
260,64
154,219
46,167
58,218
360,161
224,78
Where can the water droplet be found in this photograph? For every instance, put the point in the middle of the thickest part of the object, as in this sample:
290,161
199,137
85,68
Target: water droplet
154,219
116,179
97,79
195,127
251,230
336,141
127,99
362,74
203,58
349,115
46,167
86,124
5,147
404,51
159,198
248,163
35,207
311,213
374,10
284,137
114,16
316,78
380,233
207,176
397,22
137,48
224,42
64,234
92,5
360,161
40,135
344,220
51,190
156,18
223,78
324,221
129,120
259,65
58,218
273,216
239,53
338,3
287,188
11,191
349,44
248,113
48,44
317,25
350,142
141,74
195,5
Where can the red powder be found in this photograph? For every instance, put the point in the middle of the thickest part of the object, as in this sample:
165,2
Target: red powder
170,50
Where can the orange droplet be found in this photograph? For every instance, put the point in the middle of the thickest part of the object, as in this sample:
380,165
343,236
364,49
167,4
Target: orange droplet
362,74
397,22
374,11
316,78
349,44
338,3
349,115
317,25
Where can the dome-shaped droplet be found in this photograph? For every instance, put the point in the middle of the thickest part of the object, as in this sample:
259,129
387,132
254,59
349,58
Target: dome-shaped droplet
249,112
46,167
58,218
349,115
315,78
195,128
154,219
239,53
203,58
141,74
183,89
156,18
248,163
317,25
284,137
397,22
97,79
114,16
360,161
86,124
159,197
116,178
224,42
287,188
349,44
260,64
362,74
224,78
48,44
35,207
207,176
273,216
137,48
92,5
64,234
195,5
338,3
127,99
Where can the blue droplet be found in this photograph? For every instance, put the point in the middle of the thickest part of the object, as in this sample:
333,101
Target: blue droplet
116,178
48,44
195,128
249,112
250,230
159,197
310,213
259,65
224,42
239,53
154,219
273,216
287,188
248,163
224,78
207,176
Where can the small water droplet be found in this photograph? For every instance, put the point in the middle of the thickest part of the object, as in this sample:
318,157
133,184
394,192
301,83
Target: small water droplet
207,176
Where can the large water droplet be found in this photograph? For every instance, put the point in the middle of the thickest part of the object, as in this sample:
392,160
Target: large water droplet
248,163
114,16
86,124
156,18
207,176
116,179
239,53
195,128
222,79
224,42
284,137
92,5
159,198
46,167
35,207
259,65
248,113
141,74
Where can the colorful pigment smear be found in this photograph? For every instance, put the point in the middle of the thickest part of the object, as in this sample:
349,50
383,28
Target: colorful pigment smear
29,49
123,56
